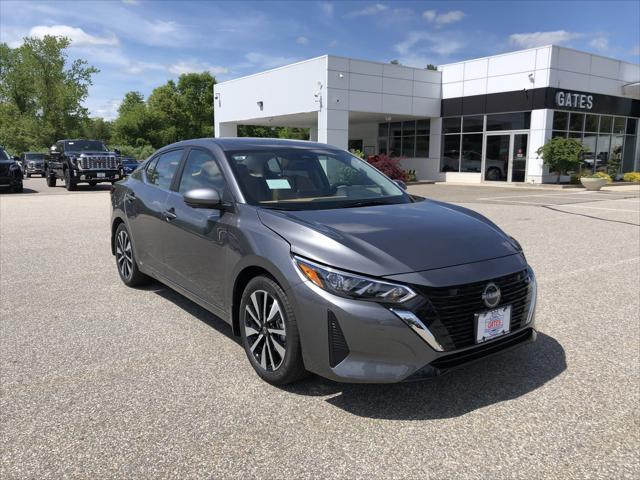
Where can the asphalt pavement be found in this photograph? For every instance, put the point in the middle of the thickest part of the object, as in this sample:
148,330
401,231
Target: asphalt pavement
102,381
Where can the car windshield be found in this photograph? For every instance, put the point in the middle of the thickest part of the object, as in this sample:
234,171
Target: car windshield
306,179
34,156
4,155
85,145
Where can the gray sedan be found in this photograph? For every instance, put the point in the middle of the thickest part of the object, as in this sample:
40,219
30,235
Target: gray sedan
319,262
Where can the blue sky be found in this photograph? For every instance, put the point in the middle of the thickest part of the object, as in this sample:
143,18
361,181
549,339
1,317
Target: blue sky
140,44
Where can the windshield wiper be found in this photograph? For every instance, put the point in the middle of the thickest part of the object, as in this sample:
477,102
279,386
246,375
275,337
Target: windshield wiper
368,203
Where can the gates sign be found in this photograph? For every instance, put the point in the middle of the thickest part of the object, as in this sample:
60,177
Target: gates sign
582,101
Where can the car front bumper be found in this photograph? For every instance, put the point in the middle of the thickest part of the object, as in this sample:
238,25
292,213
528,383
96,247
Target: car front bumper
364,342
98,176
10,181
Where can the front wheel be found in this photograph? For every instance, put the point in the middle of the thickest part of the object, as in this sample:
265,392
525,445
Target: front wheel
51,179
125,259
270,332
18,188
70,183
93,184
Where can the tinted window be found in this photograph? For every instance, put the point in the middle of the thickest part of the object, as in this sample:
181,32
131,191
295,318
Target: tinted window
451,125
4,155
160,171
509,121
85,145
201,171
560,120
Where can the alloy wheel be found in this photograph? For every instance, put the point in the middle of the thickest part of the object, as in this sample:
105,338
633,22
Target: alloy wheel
124,255
265,330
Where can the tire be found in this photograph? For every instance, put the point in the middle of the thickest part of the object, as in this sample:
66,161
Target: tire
276,358
92,184
28,175
127,265
51,179
18,188
70,183
493,174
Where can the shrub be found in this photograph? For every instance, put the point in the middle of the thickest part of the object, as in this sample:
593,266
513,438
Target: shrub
604,175
390,166
632,177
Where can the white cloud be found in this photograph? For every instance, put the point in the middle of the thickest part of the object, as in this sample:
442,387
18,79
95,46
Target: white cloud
445,18
194,66
449,17
131,2
302,40
77,36
327,8
369,10
107,109
333,43
429,15
537,39
439,44
262,60
635,51
601,43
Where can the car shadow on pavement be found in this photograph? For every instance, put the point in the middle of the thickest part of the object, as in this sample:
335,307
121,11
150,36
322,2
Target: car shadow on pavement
192,308
8,191
489,381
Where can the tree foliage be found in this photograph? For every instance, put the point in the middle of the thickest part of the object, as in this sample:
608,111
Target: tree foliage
41,93
562,154
259,131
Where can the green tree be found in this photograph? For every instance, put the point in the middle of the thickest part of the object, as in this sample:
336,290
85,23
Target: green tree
260,131
395,62
431,66
41,93
562,154
97,129
196,90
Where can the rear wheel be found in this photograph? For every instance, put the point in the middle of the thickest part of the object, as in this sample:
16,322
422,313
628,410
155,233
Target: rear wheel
17,188
70,183
93,184
270,333
125,259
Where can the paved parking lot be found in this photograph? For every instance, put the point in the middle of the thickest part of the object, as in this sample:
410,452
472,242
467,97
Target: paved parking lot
99,380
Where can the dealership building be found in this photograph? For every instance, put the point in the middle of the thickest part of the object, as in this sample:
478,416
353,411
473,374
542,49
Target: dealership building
472,121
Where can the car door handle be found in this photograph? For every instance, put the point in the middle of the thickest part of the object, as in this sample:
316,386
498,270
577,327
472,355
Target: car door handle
170,214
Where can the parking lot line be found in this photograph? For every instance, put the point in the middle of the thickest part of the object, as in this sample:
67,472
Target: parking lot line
596,208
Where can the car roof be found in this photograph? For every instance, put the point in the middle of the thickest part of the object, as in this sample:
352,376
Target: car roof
249,143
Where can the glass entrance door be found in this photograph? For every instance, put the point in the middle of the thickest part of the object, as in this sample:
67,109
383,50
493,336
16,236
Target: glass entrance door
496,163
505,157
519,162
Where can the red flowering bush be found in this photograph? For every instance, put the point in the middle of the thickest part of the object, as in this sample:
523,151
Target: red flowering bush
390,166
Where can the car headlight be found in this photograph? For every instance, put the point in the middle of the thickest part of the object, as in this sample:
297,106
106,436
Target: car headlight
351,285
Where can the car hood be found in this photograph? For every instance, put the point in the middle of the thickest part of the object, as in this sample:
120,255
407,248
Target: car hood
77,153
391,239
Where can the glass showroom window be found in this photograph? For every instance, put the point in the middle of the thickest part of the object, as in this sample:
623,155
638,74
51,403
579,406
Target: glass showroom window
407,139
608,138
451,138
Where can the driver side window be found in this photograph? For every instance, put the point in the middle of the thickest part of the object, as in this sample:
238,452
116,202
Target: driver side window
201,171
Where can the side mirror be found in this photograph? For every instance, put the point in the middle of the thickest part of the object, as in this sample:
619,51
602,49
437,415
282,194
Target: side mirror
203,198
53,152
401,184
117,152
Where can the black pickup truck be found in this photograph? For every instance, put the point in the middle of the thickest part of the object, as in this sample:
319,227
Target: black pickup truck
10,172
81,161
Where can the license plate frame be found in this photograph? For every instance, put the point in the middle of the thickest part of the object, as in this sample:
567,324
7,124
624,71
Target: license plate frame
101,175
492,324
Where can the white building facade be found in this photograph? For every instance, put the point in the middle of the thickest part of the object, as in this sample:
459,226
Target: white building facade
474,121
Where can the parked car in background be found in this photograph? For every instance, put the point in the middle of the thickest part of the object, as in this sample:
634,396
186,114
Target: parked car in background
320,262
32,163
81,161
10,172
128,165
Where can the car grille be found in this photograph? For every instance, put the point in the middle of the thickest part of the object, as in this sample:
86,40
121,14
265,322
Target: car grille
97,162
450,312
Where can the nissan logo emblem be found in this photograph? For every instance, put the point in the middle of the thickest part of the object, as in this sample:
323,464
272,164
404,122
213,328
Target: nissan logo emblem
491,295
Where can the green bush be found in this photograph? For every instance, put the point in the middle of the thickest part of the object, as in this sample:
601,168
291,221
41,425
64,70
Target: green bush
632,177
604,175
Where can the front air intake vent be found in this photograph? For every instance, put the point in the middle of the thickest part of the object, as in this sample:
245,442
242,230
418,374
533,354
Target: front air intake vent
338,348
